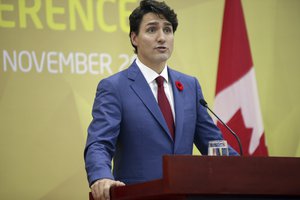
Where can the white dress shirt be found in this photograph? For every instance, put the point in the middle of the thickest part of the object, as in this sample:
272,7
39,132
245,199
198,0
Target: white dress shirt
150,76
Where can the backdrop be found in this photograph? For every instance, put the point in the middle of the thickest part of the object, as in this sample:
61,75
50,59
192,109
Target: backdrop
53,54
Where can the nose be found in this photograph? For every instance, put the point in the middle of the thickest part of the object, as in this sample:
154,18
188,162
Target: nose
161,37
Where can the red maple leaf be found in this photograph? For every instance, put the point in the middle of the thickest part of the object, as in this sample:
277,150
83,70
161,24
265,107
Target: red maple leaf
236,123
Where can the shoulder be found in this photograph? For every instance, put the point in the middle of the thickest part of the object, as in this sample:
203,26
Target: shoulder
119,81
118,78
115,78
125,75
182,77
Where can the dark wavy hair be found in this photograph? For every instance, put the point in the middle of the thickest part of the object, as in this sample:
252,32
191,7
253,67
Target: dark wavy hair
150,6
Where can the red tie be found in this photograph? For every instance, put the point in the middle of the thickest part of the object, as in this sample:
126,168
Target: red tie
164,105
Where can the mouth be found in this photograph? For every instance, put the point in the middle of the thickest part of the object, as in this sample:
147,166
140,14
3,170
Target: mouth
161,48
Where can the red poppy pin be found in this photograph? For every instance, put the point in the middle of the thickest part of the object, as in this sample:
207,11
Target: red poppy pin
179,85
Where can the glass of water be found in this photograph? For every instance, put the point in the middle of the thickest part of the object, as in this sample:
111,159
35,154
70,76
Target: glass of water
218,148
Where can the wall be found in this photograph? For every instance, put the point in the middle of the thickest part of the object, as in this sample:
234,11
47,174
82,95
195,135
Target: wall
53,54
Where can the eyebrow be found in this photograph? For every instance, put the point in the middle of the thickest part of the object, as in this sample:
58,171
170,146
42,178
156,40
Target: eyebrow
155,23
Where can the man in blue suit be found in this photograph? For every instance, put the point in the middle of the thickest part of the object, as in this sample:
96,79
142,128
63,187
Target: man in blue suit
129,125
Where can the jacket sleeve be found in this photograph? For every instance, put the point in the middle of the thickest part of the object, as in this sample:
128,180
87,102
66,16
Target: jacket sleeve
103,132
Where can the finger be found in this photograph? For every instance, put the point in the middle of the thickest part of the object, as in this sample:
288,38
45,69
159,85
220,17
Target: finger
119,183
106,189
110,185
101,190
96,190
94,194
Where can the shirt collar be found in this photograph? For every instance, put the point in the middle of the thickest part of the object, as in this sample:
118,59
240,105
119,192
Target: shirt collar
149,74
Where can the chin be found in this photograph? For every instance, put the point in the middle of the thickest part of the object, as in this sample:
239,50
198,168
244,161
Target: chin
162,58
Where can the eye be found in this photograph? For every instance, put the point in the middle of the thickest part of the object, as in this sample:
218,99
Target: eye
150,30
168,30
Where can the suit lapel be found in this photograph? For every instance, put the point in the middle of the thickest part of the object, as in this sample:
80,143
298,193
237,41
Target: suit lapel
178,104
143,91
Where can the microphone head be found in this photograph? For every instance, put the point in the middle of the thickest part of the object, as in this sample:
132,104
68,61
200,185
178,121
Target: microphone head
203,102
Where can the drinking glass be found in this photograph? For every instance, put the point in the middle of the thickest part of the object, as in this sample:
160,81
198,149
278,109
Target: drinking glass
218,148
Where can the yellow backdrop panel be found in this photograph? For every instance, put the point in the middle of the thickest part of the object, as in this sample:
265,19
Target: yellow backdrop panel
53,54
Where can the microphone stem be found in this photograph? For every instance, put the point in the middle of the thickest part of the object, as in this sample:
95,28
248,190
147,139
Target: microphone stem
233,133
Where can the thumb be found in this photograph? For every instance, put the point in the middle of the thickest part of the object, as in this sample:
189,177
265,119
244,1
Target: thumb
119,183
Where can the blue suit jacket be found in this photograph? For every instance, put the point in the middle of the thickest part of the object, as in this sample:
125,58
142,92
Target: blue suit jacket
128,126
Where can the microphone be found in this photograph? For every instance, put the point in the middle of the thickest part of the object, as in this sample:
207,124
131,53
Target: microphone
204,104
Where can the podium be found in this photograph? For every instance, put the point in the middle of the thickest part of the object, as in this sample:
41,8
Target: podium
214,177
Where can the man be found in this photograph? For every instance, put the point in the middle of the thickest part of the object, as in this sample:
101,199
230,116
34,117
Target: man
137,117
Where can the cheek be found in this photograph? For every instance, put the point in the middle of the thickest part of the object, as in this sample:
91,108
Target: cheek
148,41
171,44
144,43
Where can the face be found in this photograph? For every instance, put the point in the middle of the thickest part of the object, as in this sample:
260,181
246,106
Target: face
154,42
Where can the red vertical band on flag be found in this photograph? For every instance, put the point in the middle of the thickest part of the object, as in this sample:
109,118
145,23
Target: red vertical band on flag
235,49
237,99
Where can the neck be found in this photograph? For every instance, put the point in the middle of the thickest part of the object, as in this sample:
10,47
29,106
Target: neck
157,67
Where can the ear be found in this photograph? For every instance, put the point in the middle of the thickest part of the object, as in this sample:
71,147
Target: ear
133,38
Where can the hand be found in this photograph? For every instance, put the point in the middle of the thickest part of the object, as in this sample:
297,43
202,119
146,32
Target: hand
100,189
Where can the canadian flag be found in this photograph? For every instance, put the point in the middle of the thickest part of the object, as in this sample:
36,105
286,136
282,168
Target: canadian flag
236,99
